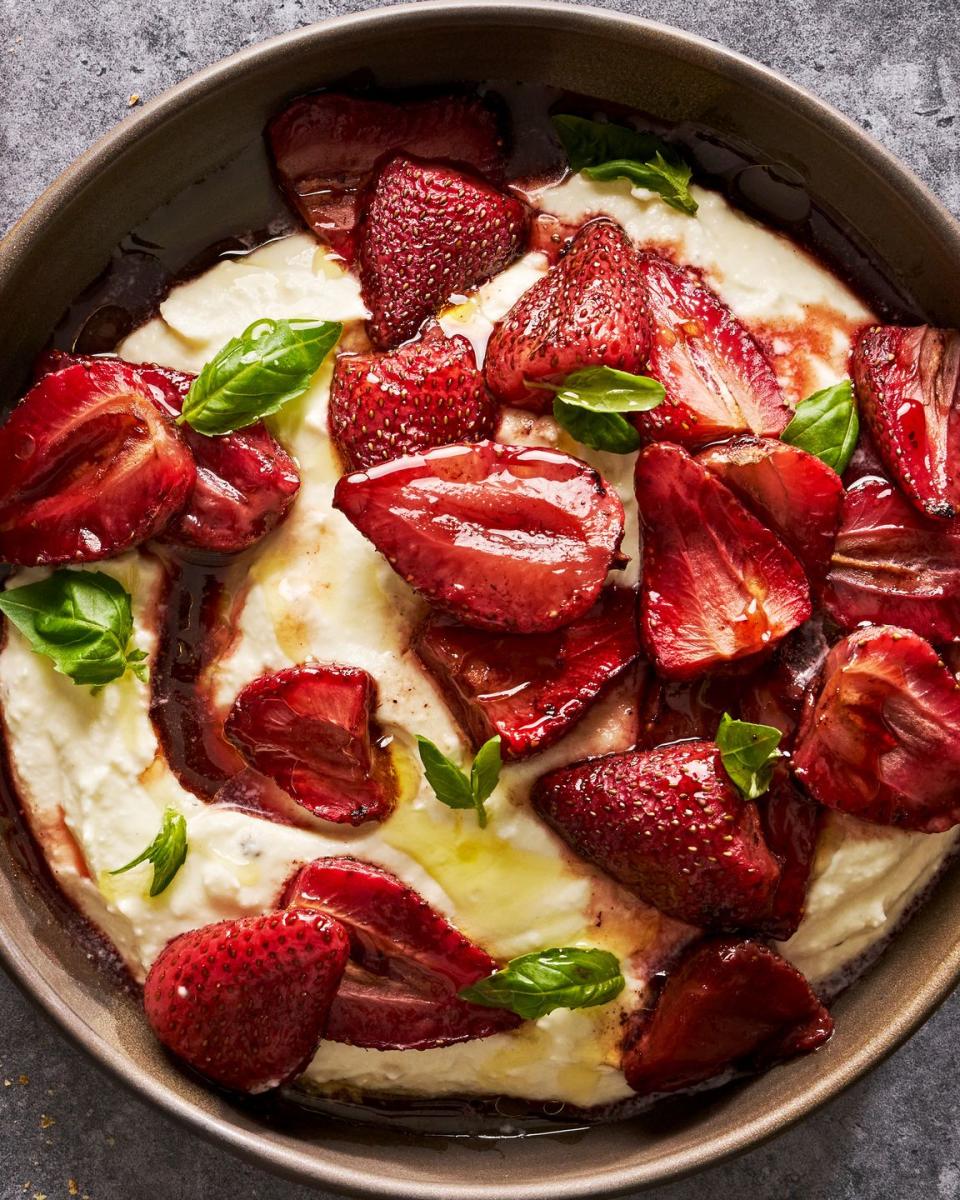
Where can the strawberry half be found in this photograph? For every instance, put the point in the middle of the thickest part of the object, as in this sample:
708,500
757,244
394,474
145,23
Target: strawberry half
587,311
245,481
311,729
669,825
717,379
530,689
791,825
907,382
326,146
245,1002
91,467
881,739
430,232
892,566
717,585
428,393
792,492
407,962
728,1006
508,538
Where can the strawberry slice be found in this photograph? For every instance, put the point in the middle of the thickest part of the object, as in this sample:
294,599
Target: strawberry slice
792,492
311,729
717,379
675,710
717,585
669,825
881,740
908,386
587,311
430,232
406,966
245,481
728,1006
326,147
245,1002
893,566
428,393
791,825
91,467
508,538
530,689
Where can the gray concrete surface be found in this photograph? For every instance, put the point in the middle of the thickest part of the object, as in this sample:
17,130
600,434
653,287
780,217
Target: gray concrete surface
68,70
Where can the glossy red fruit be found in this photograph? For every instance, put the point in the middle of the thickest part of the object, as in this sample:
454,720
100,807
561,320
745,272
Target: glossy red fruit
90,467
717,379
407,962
793,493
907,382
530,689
428,393
775,694
728,1006
669,825
893,566
311,729
791,825
681,710
717,584
430,232
881,738
510,538
245,1002
326,147
245,481
587,311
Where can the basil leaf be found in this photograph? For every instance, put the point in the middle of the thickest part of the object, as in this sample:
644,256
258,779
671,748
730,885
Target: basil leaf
748,753
589,402
254,375
455,789
826,424
588,143
484,775
82,621
667,175
167,852
536,984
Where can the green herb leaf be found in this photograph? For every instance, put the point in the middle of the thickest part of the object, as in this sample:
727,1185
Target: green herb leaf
589,402
454,788
826,424
536,984
749,754
167,852
588,143
254,375
82,621
666,174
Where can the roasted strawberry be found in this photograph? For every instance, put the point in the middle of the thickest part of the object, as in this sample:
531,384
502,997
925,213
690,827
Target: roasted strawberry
509,538
311,729
881,739
717,379
406,966
893,566
91,467
430,232
674,710
728,1006
669,825
775,694
530,689
587,311
245,481
791,825
717,585
245,1002
428,393
327,145
907,382
792,492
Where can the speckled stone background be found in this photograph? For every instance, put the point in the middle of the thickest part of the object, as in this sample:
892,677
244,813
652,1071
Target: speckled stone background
69,70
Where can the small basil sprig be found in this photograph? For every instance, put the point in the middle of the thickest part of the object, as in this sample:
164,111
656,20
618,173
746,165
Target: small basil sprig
603,150
589,402
167,852
82,621
452,786
748,753
826,424
254,375
536,984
